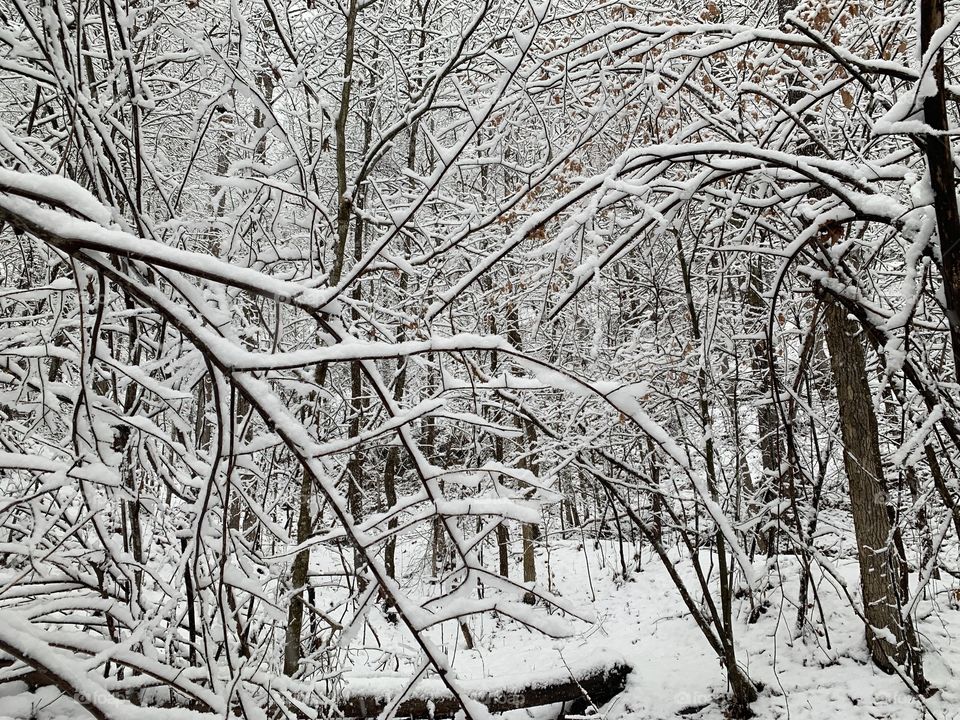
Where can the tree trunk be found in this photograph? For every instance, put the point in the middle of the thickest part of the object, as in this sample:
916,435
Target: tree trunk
298,579
886,632
301,562
743,692
940,163
767,421
529,532
503,547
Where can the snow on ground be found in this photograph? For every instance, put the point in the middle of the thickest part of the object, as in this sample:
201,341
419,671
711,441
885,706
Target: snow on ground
675,672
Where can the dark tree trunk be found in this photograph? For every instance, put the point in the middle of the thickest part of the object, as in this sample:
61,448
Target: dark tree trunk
298,579
886,632
940,163
503,547
767,421
390,499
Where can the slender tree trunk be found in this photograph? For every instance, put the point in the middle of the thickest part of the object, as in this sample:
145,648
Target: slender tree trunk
940,163
923,524
301,566
390,499
344,201
529,531
502,532
301,563
744,693
503,549
767,423
393,454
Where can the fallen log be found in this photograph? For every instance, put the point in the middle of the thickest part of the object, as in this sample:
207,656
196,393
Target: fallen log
597,679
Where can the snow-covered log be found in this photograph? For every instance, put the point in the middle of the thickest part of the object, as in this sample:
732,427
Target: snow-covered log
595,680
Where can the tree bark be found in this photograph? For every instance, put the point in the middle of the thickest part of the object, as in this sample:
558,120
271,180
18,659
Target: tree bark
940,163
529,531
301,563
879,564
767,420
298,579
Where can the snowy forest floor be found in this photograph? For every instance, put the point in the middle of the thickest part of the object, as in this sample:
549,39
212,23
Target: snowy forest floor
675,673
